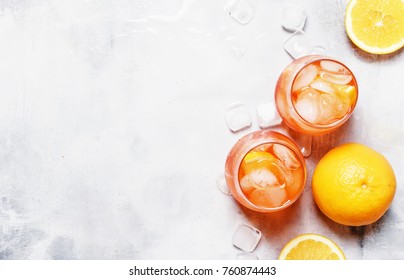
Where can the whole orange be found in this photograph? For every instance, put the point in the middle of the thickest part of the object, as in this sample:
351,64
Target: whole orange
353,184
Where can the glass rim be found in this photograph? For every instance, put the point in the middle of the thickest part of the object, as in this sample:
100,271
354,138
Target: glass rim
291,146
337,122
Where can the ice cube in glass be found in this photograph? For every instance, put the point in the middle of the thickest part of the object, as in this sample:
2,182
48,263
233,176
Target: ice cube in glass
305,77
333,67
288,158
307,105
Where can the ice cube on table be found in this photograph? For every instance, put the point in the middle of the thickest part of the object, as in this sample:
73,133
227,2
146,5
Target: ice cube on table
298,44
308,105
318,50
293,17
304,141
305,77
267,115
222,185
238,49
246,238
237,117
246,256
242,11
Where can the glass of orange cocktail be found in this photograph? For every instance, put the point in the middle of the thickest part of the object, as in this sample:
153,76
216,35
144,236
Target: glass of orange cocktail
316,94
265,171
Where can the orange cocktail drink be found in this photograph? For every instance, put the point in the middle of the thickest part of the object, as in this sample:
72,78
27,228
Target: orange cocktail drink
316,94
265,171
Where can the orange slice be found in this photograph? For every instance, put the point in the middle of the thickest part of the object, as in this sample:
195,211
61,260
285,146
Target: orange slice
376,26
311,247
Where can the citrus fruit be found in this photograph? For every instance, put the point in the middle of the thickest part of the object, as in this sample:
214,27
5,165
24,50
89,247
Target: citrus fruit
353,184
376,26
255,160
311,247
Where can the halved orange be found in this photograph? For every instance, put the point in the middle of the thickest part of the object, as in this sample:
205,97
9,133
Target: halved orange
376,26
311,247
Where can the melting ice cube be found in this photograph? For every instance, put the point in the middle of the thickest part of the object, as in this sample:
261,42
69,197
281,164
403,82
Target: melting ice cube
242,11
322,85
246,186
246,237
305,77
267,115
222,185
332,66
308,105
237,117
332,107
318,50
286,156
263,178
270,197
246,256
238,49
339,79
293,17
298,44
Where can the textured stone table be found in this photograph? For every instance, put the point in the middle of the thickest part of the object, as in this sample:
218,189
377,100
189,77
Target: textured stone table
112,130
